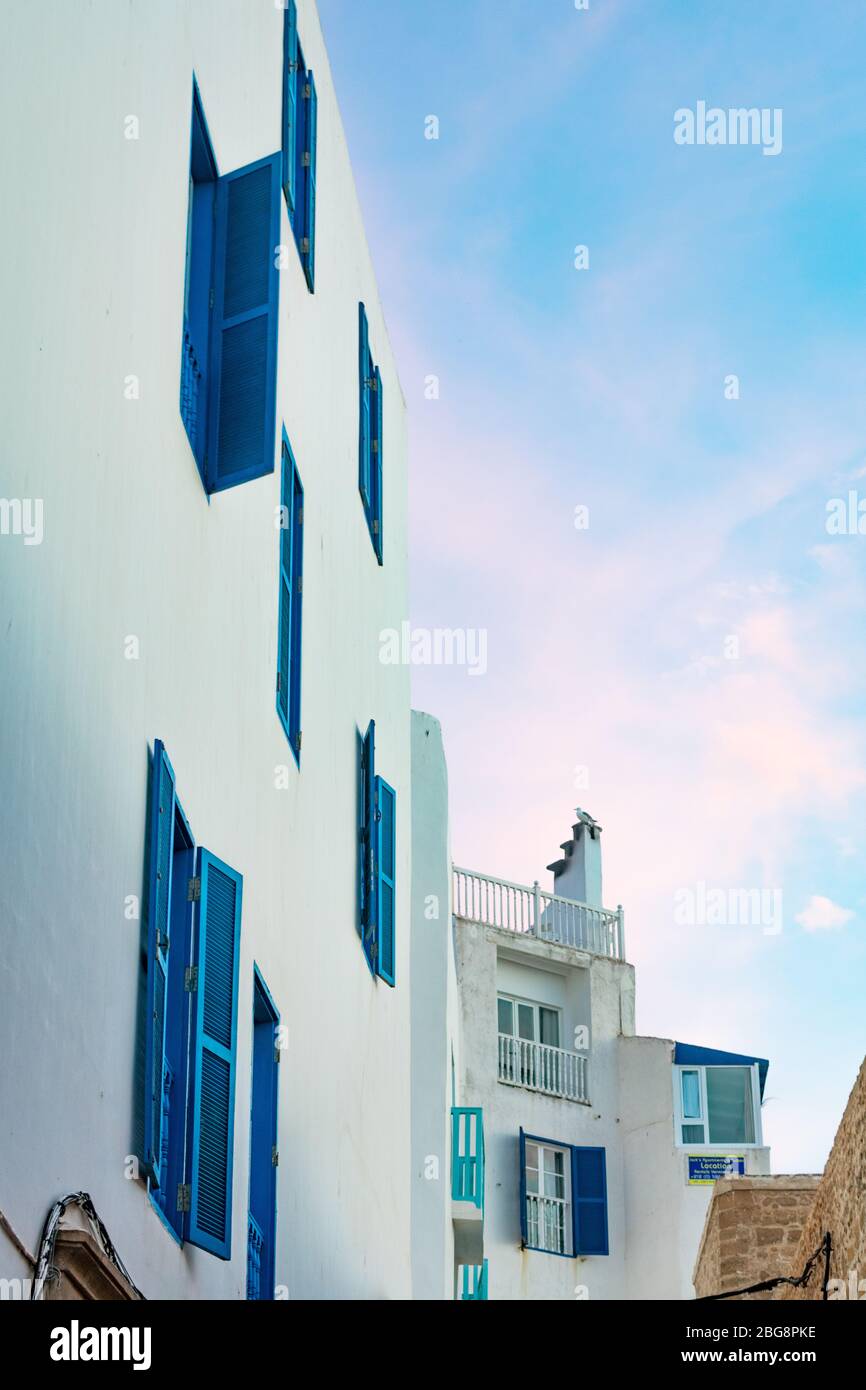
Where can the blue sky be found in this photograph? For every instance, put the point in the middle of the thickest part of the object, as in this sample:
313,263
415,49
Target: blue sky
609,648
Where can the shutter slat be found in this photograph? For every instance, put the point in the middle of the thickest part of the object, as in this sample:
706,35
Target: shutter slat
589,1201
290,100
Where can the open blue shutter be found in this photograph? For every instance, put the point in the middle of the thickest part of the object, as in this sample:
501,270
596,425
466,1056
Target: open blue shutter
589,1201
377,465
214,1056
161,842
285,633
369,895
244,336
386,818
522,1187
290,100
308,247
366,423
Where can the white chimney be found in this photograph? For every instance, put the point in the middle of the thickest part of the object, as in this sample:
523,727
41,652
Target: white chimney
578,874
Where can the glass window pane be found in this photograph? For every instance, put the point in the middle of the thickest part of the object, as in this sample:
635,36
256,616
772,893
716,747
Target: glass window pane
506,1016
729,1102
693,1134
526,1021
691,1084
549,1021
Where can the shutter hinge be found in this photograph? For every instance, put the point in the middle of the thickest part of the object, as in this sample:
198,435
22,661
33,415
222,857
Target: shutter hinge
190,979
308,91
300,516
300,584
370,383
375,446
299,740
279,681
305,159
275,1156
277,1054
375,526
305,246
193,890
211,298
161,941
184,1196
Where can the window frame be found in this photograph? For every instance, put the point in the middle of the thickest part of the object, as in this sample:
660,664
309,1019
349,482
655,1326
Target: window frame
536,1006
292,501
680,1119
579,1155
548,1146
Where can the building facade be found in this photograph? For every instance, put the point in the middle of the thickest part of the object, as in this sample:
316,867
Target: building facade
205,815
588,1151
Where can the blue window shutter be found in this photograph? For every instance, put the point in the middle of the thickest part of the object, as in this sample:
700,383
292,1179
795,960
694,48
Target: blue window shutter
214,1056
589,1201
522,1187
290,100
308,245
366,422
241,437
386,822
377,465
161,842
369,885
285,619
297,573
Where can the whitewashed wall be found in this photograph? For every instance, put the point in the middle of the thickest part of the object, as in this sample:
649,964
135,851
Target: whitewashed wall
93,243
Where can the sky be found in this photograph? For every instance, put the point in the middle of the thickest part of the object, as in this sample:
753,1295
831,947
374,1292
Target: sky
625,478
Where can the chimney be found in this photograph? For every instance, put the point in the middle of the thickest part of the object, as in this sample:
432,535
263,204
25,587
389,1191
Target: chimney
578,874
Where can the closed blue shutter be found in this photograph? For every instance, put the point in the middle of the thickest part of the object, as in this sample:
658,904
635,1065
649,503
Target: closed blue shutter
589,1201
377,466
297,572
161,841
366,423
285,618
369,872
214,1056
246,293
386,816
522,1187
308,245
290,100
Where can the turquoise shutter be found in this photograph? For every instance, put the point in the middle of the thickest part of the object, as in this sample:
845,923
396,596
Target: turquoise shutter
365,431
214,1056
523,1227
297,573
386,818
589,1201
369,909
290,100
377,465
160,848
308,245
244,336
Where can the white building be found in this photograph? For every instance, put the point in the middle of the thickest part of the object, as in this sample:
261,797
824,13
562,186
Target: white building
174,309
584,1154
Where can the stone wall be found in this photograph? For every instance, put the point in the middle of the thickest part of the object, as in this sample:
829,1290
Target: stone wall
840,1206
753,1230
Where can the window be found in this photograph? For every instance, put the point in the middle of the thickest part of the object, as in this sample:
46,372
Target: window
520,1018
262,1214
563,1197
378,864
299,143
529,1047
291,600
370,436
231,288
717,1105
192,924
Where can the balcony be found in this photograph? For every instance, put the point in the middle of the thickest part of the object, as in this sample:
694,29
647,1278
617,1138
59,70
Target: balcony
467,1184
474,1282
531,913
538,1067
547,1224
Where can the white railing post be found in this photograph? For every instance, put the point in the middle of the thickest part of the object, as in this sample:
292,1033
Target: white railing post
620,923
537,908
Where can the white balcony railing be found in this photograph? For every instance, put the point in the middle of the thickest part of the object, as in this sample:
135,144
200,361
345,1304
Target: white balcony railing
547,1224
512,907
541,1068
